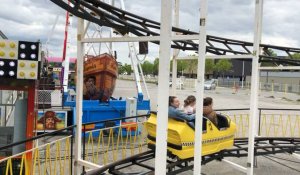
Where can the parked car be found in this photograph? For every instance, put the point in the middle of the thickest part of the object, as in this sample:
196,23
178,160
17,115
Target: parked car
179,83
210,85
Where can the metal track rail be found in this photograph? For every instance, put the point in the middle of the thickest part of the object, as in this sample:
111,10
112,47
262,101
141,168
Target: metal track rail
263,146
124,22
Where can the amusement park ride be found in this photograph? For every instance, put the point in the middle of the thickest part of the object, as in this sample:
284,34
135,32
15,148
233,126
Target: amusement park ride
125,23
20,67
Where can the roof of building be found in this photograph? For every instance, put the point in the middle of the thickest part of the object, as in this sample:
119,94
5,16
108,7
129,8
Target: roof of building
59,59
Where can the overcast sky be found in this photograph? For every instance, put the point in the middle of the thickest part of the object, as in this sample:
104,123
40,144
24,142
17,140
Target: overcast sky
33,20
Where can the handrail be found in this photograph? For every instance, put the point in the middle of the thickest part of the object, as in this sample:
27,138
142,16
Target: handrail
32,149
115,119
288,109
265,109
237,109
37,137
67,128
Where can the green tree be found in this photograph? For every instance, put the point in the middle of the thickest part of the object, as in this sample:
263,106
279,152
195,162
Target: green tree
147,67
181,66
296,56
128,69
209,66
223,66
125,69
191,67
155,66
121,69
269,52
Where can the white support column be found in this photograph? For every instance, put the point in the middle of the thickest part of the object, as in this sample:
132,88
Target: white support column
163,87
79,95
254,85
67,58
200,88
111,33
144,81
174,74
135,63
175,51
135,67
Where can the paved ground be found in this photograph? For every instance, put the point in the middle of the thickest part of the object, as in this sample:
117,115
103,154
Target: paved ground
225,99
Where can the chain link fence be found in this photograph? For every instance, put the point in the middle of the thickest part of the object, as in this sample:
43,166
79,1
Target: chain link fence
236,83
190,83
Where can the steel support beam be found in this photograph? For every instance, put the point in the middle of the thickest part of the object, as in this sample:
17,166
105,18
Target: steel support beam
218,57
200,88
175,51
138,39
254,85
79,94
146,29
163,87
66,55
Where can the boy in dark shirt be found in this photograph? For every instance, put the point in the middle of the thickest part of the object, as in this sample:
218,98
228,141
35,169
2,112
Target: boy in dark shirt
208,110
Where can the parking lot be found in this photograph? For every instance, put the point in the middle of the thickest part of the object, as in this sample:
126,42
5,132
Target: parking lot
226,98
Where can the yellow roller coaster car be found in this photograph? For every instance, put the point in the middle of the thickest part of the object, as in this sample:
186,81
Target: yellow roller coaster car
181,135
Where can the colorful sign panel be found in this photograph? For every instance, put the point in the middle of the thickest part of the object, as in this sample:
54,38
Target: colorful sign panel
51,120
19,59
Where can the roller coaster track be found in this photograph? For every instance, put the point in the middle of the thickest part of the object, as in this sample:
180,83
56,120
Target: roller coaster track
124,22
263,146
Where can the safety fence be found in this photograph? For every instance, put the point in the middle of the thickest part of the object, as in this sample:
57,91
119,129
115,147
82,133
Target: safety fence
188,83
104,142
104,146
270,122
240,117
279,122
279,87
107,145
54,157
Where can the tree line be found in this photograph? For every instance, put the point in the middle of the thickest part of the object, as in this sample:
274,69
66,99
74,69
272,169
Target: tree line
187,67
